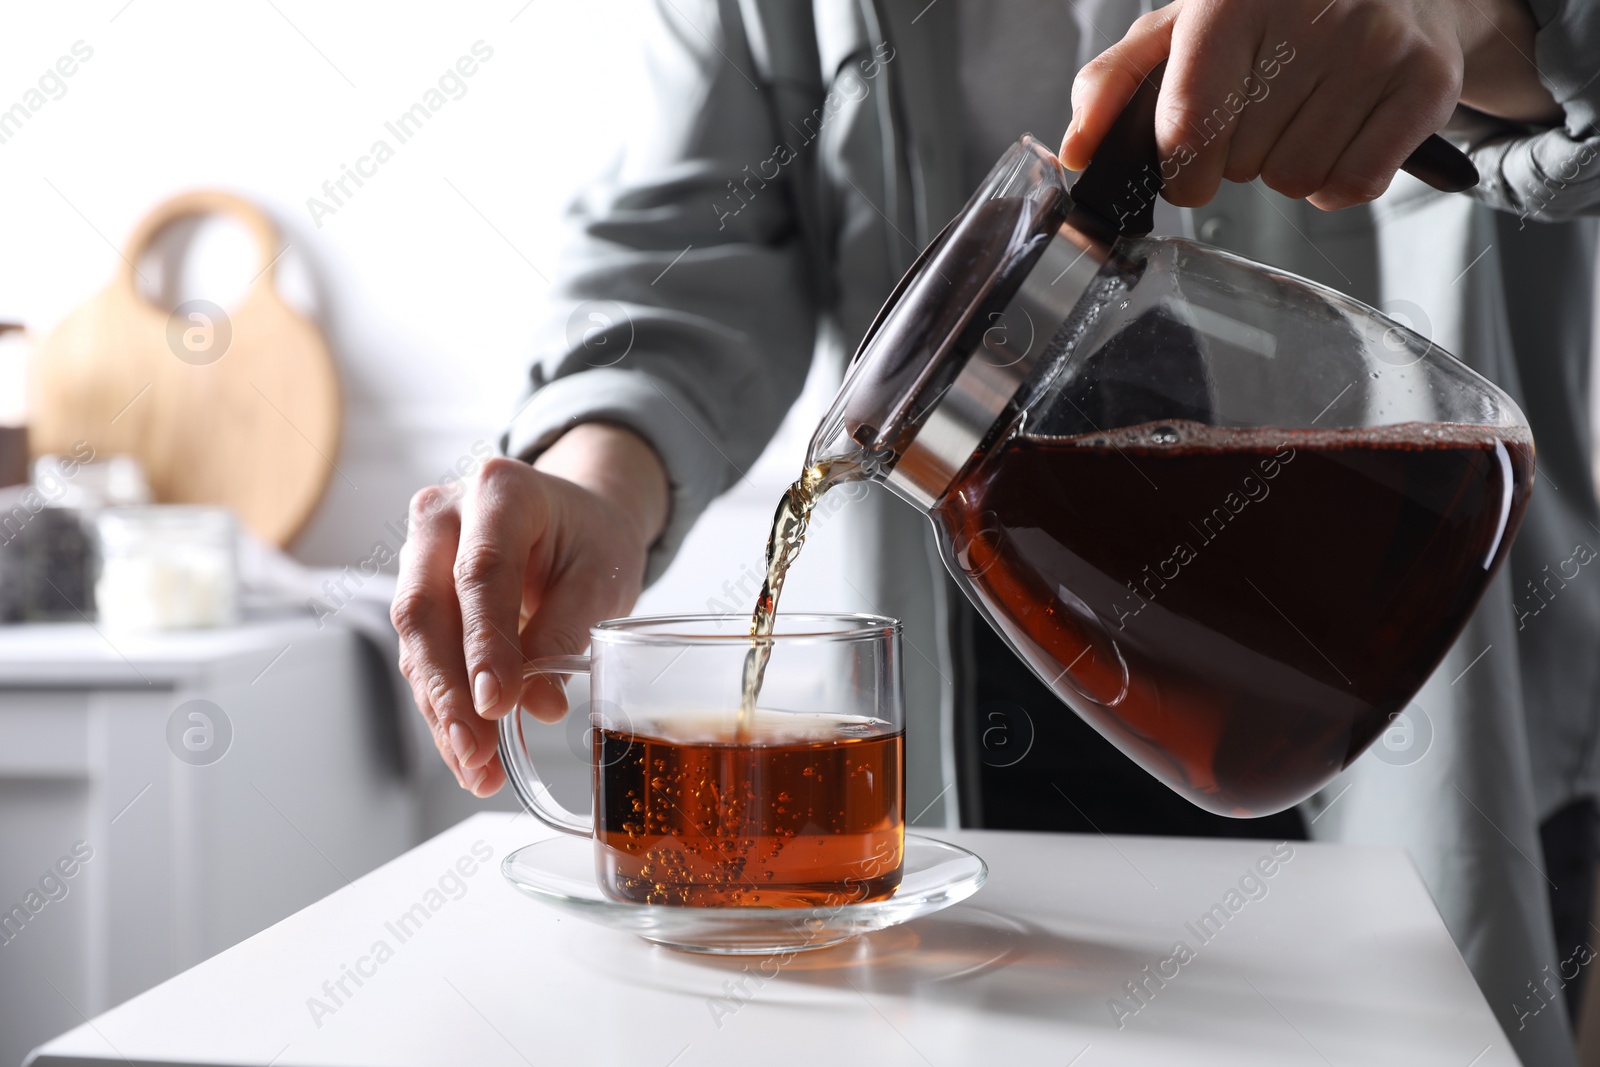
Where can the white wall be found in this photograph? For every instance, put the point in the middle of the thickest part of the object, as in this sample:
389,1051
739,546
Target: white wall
424,279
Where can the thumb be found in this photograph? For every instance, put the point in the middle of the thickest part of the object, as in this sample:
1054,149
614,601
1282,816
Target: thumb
1106,83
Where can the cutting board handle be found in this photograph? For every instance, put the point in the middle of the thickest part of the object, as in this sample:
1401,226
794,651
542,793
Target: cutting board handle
203,202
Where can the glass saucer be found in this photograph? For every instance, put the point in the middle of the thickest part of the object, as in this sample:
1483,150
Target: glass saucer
560,872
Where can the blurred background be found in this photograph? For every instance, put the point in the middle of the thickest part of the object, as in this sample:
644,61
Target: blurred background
217,740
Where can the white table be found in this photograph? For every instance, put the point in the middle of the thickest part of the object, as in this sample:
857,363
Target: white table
1343,961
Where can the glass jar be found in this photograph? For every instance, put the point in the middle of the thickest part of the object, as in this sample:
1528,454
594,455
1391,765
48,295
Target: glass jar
166,567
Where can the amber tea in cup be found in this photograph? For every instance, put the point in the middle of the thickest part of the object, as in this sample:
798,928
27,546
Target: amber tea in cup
798,804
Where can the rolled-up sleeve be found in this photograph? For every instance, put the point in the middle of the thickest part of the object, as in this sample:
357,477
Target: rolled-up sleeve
685,307
1546,173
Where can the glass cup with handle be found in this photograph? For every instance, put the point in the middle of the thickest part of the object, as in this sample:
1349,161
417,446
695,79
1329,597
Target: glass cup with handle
698,804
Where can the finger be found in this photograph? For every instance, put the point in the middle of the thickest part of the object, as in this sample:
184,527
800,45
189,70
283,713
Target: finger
1327,123
414,603
560,627
1213,52
1106,83
493,777
497,531
1275,95
428,619
1396,127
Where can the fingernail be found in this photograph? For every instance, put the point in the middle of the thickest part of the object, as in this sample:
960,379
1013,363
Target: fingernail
463,742
485,690
477,783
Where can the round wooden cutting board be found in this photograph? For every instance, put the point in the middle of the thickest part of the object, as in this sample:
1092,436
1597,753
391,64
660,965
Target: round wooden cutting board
237,407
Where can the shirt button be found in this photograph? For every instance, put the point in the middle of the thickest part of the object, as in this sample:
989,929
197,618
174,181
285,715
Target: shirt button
1214,230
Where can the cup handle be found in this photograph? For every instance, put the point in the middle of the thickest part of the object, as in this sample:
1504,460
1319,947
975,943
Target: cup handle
531,790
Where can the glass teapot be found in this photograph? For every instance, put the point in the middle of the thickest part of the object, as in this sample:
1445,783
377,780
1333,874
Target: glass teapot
1232,518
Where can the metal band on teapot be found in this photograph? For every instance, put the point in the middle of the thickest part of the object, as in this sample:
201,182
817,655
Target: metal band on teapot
1008,355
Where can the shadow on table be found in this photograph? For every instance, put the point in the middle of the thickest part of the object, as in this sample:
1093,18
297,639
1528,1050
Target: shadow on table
1026,969
992,962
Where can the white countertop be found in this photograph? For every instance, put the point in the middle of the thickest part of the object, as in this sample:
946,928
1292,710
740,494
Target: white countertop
1342,960
87,654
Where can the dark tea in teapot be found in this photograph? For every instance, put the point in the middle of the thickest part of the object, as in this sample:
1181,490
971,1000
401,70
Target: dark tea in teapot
1241,611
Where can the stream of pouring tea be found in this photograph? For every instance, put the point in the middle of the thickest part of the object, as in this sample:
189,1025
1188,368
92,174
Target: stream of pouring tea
783,546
